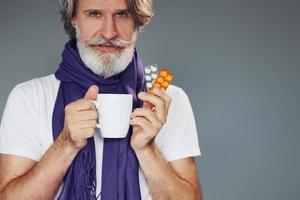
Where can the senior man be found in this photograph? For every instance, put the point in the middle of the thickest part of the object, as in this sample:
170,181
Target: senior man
50,147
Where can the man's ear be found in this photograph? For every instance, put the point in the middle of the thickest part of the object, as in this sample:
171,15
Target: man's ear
73,22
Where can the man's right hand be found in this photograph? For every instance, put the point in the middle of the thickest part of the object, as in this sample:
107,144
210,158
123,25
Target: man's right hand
81,119
20,176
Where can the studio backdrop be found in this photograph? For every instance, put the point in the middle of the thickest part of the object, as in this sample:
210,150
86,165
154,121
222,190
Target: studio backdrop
239,63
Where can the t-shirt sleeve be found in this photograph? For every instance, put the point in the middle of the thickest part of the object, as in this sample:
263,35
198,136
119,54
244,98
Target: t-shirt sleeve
18,131
178,138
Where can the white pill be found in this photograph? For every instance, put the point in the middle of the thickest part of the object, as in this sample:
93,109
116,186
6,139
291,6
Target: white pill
154,76
153,68
148,78
147,70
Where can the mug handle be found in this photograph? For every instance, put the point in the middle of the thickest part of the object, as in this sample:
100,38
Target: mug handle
95,103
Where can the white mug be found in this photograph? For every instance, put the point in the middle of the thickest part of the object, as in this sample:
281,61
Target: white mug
114,114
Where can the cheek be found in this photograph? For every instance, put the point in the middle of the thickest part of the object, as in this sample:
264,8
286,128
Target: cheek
87,30
126,31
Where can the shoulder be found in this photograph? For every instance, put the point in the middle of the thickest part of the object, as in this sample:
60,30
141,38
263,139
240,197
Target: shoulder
34,94
175,91
38,89
179,96
33,86
26,114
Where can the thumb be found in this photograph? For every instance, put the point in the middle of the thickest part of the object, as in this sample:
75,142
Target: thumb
92,93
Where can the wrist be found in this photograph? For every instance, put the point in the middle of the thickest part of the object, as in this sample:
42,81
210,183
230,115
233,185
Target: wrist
65,144
149,149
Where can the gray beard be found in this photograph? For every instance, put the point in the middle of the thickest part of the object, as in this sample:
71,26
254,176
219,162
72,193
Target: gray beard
113,64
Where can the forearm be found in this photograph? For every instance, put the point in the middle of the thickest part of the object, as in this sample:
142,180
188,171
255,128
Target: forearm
163,182
44,179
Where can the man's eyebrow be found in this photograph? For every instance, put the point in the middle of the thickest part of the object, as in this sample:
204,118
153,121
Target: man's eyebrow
99,10
92,10
122,10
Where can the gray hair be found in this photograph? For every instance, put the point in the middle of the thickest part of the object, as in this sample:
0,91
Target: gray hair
141,11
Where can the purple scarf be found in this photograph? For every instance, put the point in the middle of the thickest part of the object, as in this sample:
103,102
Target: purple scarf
120,180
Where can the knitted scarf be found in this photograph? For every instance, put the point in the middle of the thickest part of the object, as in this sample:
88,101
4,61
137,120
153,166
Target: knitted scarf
119,166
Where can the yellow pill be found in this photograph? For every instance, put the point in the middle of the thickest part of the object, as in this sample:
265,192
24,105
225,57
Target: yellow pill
156,85
169,78
165,84
160,80
164,73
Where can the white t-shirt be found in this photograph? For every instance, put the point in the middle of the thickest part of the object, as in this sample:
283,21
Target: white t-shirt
26,127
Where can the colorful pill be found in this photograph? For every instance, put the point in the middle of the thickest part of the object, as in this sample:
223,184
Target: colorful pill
156,85
160,80
164,73
165,84
169,78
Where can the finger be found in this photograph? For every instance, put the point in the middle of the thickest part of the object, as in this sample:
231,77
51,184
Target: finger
81,116
159,104
88,132
145,125
87,115
80,105
148,105
87,124
162,94
148,115
152,99
92,93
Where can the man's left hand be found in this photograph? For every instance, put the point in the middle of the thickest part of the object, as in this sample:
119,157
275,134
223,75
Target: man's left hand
148,120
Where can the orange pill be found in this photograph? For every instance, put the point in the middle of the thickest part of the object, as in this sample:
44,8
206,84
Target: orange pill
156,85
164,73
165,84
169,77
160,80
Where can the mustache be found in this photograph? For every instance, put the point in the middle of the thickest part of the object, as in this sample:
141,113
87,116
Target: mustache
95,41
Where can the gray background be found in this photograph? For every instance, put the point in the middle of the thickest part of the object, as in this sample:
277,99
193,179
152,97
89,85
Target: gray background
238,60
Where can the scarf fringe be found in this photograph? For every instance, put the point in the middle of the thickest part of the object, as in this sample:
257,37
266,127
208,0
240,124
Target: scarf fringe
84,170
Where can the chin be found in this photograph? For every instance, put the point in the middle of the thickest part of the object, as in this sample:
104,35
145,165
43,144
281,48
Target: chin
107,59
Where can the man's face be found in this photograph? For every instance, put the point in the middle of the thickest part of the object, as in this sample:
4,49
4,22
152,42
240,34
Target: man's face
106,35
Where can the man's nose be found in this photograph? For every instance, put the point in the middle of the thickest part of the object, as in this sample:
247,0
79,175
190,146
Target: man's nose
108,29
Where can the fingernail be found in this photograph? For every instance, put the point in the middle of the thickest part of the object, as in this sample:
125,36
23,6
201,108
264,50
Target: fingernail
93,87
141,94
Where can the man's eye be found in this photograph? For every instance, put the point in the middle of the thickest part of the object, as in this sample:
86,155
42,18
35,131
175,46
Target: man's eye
94,14
122,14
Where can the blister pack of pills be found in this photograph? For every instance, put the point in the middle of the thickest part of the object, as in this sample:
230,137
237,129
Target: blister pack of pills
155,79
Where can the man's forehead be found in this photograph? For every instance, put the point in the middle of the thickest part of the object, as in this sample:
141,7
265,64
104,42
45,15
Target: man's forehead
116,3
